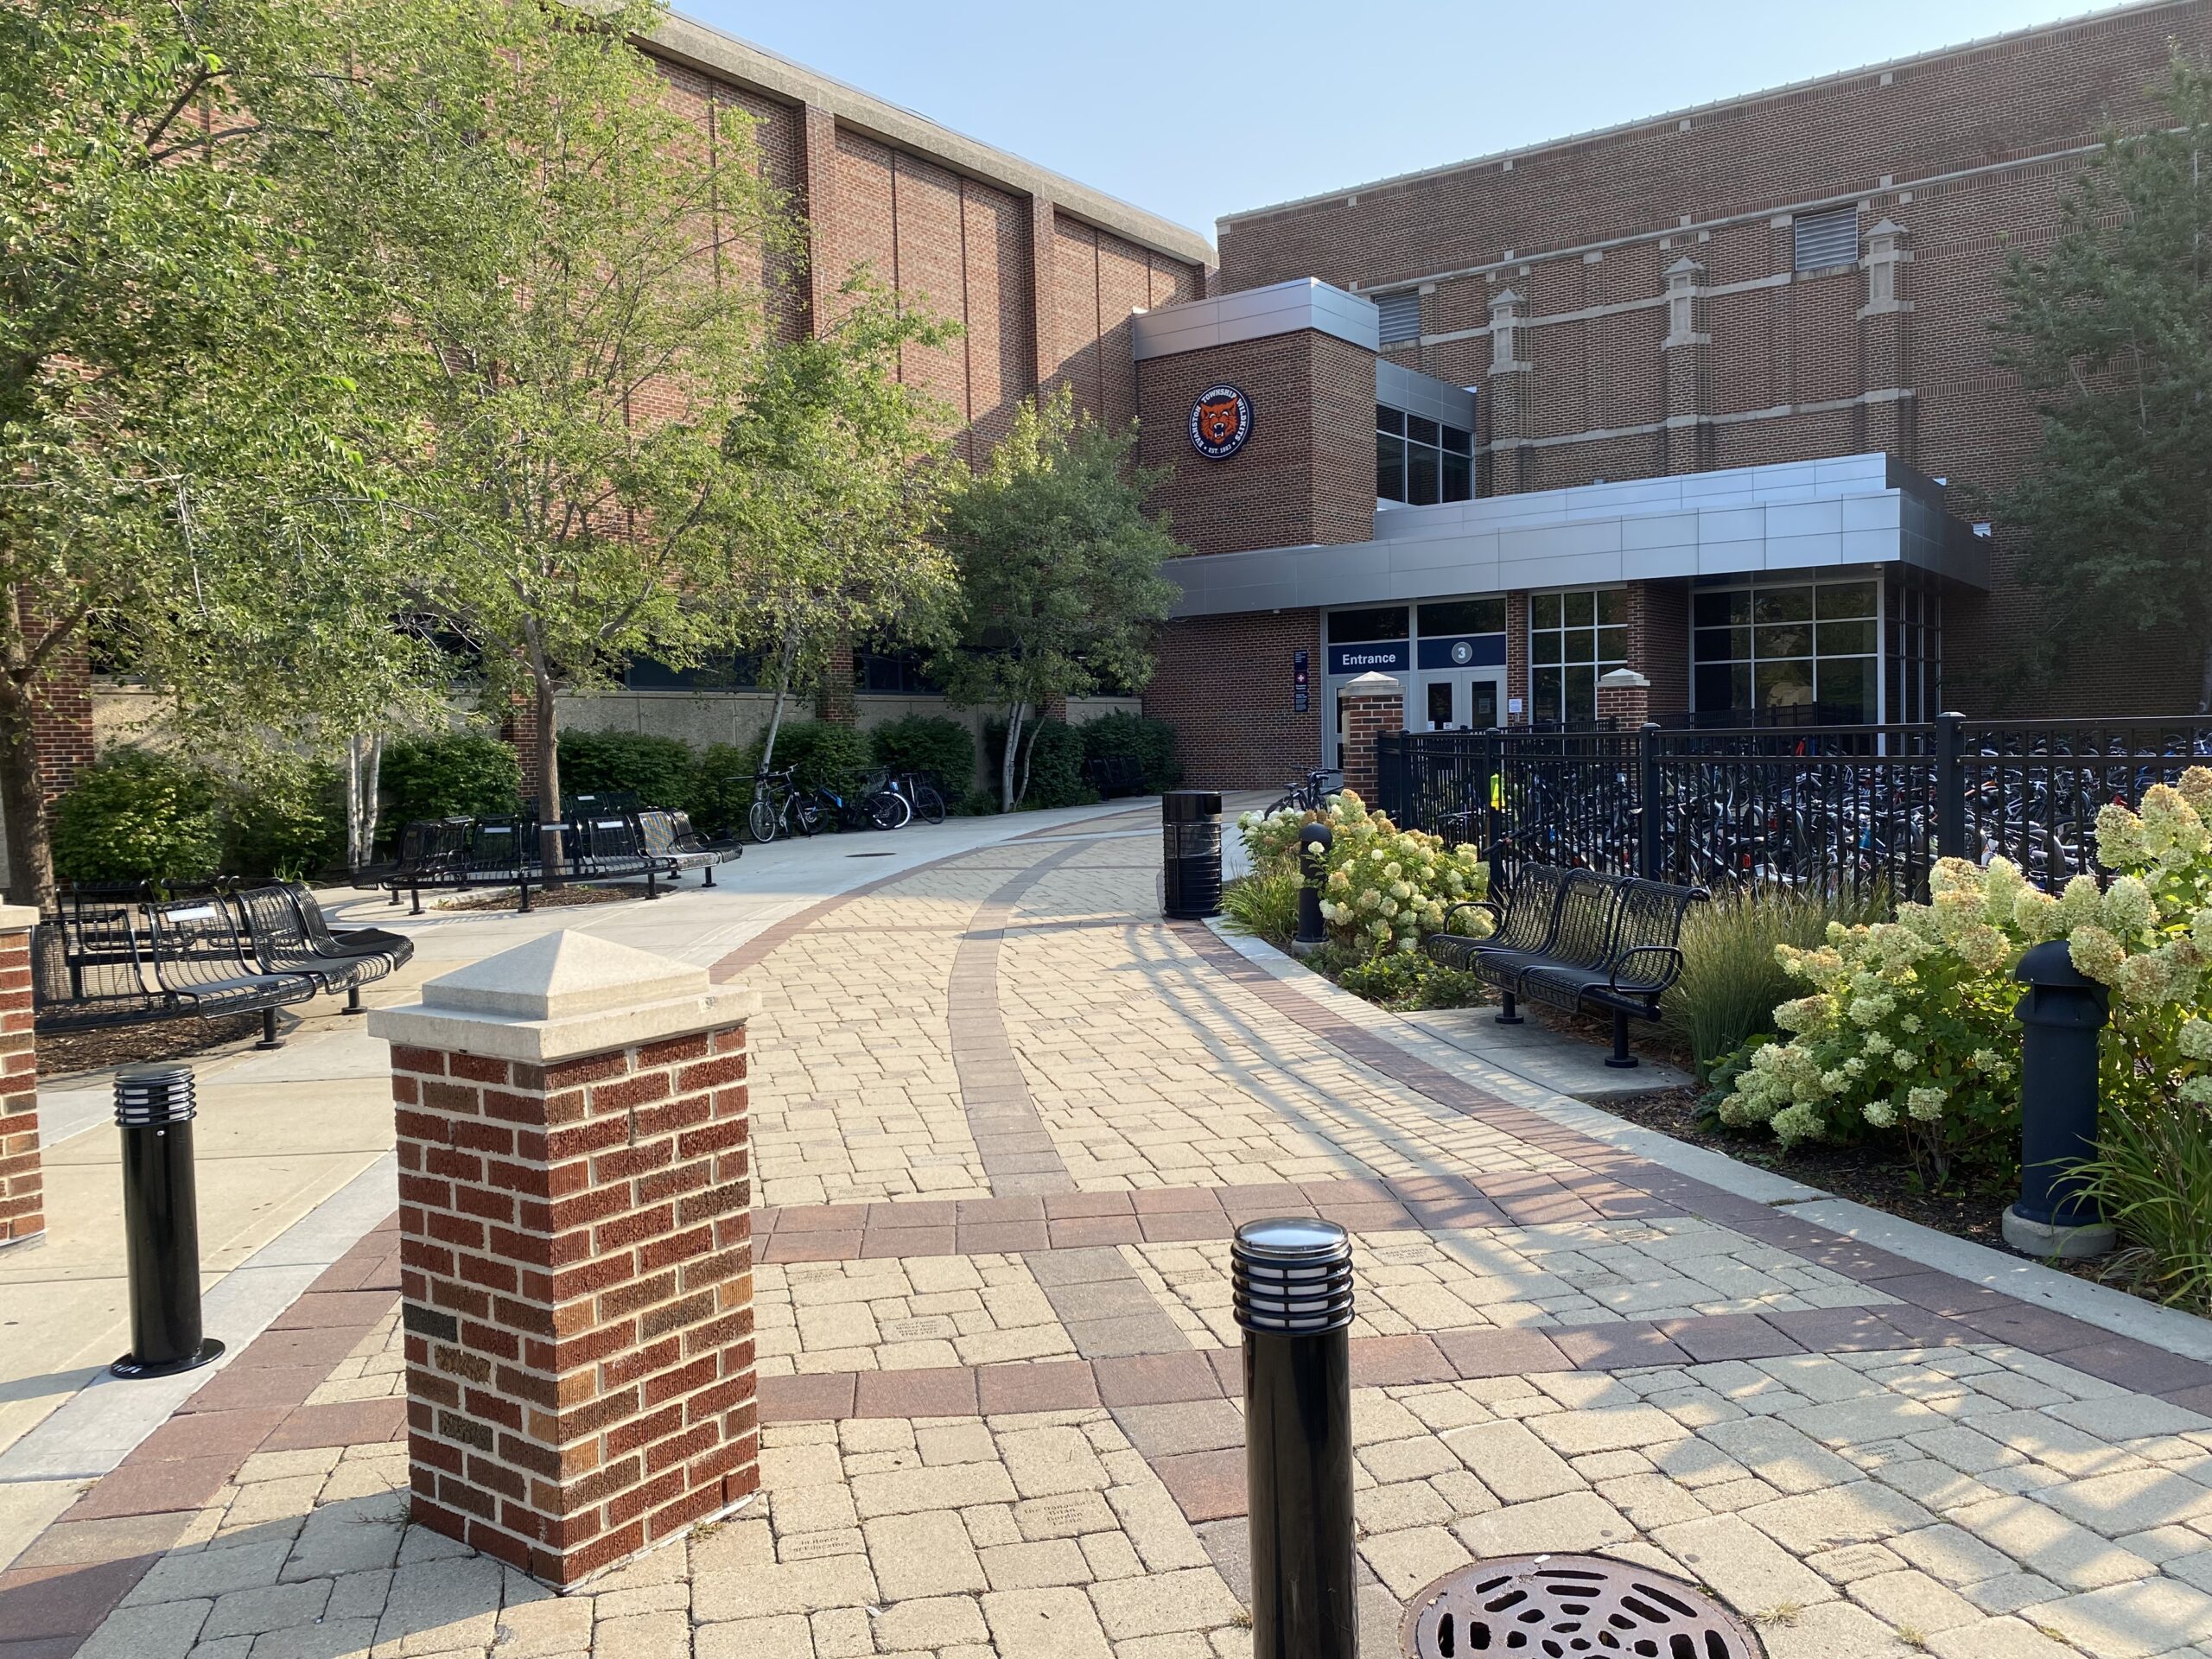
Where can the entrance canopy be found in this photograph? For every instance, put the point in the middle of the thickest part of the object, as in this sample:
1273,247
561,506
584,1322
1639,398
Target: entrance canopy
1809,515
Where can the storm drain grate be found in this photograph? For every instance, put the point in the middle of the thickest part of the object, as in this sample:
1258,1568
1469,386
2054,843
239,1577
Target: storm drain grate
1560,1605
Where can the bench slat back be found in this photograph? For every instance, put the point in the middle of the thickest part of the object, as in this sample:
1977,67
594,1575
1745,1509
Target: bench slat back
196,942
499,845
90,954
657,833
1589,905
604,838
1650,923
273,924
313,922
1531,909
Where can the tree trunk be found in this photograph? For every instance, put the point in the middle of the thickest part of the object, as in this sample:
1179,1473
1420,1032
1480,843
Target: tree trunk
22,799
1029,749
786,659
549,776
363,770
1008,796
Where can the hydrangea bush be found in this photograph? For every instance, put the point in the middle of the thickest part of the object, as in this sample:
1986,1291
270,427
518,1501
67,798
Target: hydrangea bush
1387,887
1908,1026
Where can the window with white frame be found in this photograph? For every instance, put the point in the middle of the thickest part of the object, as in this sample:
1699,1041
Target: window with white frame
1572,638
1788,651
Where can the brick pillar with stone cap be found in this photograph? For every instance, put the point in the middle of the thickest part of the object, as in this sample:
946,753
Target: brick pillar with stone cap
577,1262
22,1181
1373,704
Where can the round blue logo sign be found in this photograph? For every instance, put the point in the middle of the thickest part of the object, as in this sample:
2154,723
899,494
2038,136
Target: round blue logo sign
1220,421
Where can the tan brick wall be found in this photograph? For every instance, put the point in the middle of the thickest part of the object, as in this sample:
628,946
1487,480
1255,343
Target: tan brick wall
22,1182
576,1276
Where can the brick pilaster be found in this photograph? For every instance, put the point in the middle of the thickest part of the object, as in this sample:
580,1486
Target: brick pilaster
1508,384
835,701
1374,704
818,156
576,1268
1687,349
22,1181
1517,657
519,731
1041,331
62,711
1884,412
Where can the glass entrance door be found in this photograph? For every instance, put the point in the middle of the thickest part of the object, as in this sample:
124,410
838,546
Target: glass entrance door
1458,700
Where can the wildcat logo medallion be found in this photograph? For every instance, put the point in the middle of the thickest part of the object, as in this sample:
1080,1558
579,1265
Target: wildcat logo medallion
1220,421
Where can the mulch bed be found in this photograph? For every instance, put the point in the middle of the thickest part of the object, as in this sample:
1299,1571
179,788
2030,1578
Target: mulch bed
546,898
67,1053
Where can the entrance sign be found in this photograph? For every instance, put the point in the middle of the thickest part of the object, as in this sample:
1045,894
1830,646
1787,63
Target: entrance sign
1386,658
1301,664
1221,421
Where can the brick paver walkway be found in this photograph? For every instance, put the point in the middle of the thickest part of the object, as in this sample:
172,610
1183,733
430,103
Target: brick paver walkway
1006,1121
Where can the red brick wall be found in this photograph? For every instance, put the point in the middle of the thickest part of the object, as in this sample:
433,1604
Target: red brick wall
23,1182
1365,720
1970,152
576,1270
1224,684
62,715
1307,472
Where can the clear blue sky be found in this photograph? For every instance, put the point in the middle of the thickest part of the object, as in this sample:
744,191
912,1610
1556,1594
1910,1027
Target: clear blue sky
1193,110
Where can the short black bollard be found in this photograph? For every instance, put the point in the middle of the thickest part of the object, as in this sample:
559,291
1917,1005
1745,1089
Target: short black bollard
1291,1277
1190,825
2060,1016
1314,841
154,1107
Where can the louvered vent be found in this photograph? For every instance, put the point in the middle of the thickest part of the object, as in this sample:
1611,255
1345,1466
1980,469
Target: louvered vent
1827,239
1401,315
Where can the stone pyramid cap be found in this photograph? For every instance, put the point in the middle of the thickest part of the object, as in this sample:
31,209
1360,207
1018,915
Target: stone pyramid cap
561,976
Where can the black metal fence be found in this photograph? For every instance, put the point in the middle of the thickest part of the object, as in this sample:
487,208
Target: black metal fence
1855,808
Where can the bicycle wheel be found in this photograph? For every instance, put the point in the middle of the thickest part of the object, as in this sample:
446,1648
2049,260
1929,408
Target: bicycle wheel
887,809
761,820
929,805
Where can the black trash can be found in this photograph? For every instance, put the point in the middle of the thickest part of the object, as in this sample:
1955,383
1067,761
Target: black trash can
1190,821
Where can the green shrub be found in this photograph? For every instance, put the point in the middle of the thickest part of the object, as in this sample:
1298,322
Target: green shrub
453,775
138,815
289,821
659,771
1264,904
944,748
1399,980
722,787
978,804
1055,765
828,756
1149,742
1731,982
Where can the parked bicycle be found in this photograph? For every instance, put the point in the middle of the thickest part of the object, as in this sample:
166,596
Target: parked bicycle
1312,795
781,807
920,790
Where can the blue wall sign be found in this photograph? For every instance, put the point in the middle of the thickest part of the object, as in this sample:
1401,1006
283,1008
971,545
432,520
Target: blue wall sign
1464,650
1301,666
1387,657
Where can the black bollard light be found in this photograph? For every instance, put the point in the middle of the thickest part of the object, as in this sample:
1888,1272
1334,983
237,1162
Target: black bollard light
1291,1277
2060,1016
153,1108
1314,841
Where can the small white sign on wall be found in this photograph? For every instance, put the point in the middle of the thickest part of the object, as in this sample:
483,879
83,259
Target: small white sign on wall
1513,705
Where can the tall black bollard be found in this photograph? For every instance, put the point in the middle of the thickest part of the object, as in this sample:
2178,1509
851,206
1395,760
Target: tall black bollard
2060,1016
153,1108
1292,1280
1313,843
1190,824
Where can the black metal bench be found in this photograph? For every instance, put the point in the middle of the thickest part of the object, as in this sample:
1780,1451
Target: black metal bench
669,835
283,942
1114,774
606,847
1574,938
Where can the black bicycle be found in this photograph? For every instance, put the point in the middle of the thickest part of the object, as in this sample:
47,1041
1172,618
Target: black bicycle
781,807
1312,795
919,790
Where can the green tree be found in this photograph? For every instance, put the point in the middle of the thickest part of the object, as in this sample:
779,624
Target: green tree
2112,330
834,471
187,437
1060,574
569,253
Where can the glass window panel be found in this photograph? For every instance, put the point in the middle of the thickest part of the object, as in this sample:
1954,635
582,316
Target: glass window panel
1846,685
1389,420
1547,698
1543,611
1440,703
1781,605
1724,644
1459,442
1581,693
1390,468
1717,610
1781,642
1847,638
1846,599
1723,685
1612,607
1783,685
1455,616
1544,647
1613,646
1355,627
1581,645
1422,429
1421,475
1458,477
